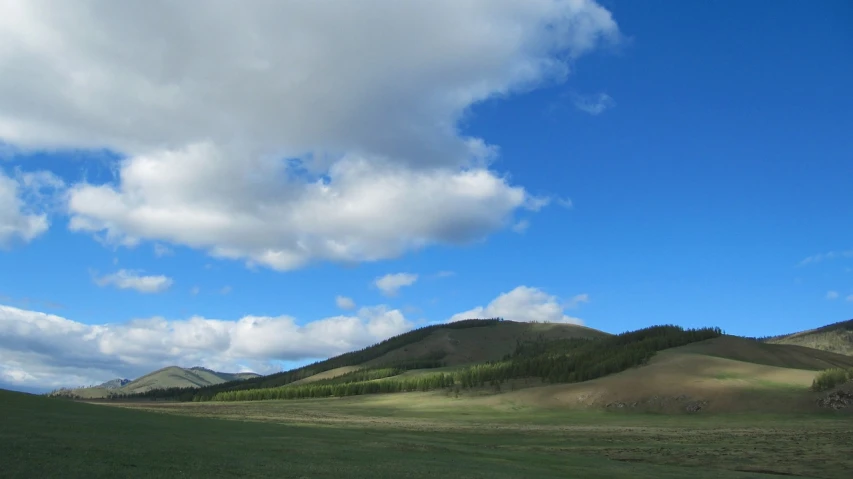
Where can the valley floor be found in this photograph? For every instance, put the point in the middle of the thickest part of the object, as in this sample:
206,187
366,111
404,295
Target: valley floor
408,435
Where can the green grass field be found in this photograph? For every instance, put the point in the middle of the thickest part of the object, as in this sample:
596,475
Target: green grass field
405,435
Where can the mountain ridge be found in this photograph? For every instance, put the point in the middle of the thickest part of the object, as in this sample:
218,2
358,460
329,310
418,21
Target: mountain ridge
835,337
483,354
163,378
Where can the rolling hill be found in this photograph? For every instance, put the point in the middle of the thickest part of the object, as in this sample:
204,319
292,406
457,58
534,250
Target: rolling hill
725,374
453,344
168,377
481,344
836,338
660,368
466,353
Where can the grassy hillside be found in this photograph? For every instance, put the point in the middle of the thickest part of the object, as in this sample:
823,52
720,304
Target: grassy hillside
726,374
677,382
169,377
681,371
836,338
570,359
418,435
780,355
475,340
332,373
478,345
502,355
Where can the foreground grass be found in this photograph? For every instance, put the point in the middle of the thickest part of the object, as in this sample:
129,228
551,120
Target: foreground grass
413,436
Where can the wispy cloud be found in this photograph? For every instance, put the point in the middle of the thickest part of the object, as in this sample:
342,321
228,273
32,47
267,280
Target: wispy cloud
161,250
226,290
444,274
832,295
390,284
593,104
565,203
826,256
577,300
536,203
345,303
130,279
31,302
18,198
521,226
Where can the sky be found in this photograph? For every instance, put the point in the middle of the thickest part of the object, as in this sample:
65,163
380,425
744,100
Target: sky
255,188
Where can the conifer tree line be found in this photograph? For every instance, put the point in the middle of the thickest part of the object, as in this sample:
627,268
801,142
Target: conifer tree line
353,358
561,361
554,361
315,390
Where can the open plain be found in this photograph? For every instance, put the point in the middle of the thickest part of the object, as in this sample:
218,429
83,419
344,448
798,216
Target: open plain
409,435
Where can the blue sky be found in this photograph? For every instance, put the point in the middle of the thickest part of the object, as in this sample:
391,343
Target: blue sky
678,162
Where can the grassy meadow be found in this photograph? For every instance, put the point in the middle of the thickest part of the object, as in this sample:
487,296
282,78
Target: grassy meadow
406,435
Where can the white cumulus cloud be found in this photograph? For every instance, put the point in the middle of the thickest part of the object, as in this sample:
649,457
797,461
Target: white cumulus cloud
525,304
281,133
44,350
832,295
390,284
130,279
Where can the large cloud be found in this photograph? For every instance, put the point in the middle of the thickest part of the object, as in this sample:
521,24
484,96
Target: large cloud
524,304
44,350
363,212
206,100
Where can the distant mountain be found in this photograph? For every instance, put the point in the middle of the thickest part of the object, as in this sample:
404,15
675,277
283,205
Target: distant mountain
169,377
835,338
